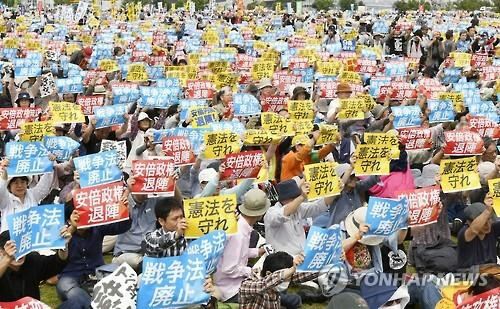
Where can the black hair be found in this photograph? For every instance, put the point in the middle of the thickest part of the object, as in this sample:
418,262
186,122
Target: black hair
449,34
165,205
488,141
484,284
172,110
276,261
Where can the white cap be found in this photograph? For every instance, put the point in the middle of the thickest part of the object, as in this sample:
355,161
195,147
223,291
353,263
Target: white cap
142,116
207,174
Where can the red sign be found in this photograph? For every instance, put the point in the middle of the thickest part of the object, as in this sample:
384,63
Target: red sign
89,103
178,148
199,89
158,60
274,103
479,60
25,303
138,56
100,205
244,62
282,80
12,118
415,138
297,42
328,89
99,76
159,38
153,176
242,165
424,205
463,143
486,300
298,63
484,126
366,66
490,72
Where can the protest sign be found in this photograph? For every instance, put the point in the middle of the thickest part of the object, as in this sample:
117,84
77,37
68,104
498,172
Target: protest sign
72,84
62,147
12,118
388,139
202,116
207,214
35,131
259,137
125,93
48,85
274,103
463,143
178,148
461,60
323,180
300,109
242,165
456,98
89,103
441,111
27,158
406,116
372,160
220,144
330,68
328,134
156,97
486,300
66,112
210,246
459,175
245,104
262,69
484,126
119,146
494,188
98,168
110,115
352,109
137,72
117,290
153,176
424,205
25,67
100,205
108,65
323,248
199,89
173,282
386,216
415,138
37,228
25,303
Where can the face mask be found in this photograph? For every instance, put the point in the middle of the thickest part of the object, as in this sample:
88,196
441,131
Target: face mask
282,286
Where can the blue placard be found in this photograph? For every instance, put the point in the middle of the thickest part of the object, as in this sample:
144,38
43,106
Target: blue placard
406,116
186,104
395,69
441,111
375,85
74,70
100,176
484,108
451,75
464,85
155,72
195,136
122,95
27,158
233,126
349,45
306,73
168,82
100,160
379,26
155,97
172,282
323,249
386,216
9,53
245,104
25,67
24,150
110,115
61,146
210,246
70,85
37,228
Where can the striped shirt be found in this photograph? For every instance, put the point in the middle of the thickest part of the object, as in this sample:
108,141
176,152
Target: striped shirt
159,243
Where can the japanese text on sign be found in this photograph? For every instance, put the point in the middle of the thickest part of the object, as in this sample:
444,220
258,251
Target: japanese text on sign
323,180
459,175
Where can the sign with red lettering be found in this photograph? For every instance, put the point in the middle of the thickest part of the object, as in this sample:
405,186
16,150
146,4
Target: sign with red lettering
274,103
463,143
25,303
100,205
484,126
158,60
199,89
99,76
486,300
12,118
415,138
178,148
89,103
490,72
154,176
244,62
328,89
298,63
366,66
282,80
479,60
242,165
424,205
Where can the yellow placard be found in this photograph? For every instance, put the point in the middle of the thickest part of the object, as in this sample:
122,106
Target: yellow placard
310,53
359,104
494,185
66,112
277,124
182,76
137,72
35,131
368,101
366,167
33,45
225,79
260,46
108,65
194,58
211,37
270,55
457,98
330,68
219,144
10,43
71,48
461,59
303,126
383,139
301,109
328,134
351,114
207,214
262,69
259,137
459,175
350,77
323,180
218,66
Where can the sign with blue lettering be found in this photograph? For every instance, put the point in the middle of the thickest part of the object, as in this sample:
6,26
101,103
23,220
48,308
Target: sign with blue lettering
155,97
70,85
61,146
74,70
441,111
386,216
375,85
406,116
172,282
37,228
210,246
323,248
27,158
349,45
245,104
97,169
9,53
110,115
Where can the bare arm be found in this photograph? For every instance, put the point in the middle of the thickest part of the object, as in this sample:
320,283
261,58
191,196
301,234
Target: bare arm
475,227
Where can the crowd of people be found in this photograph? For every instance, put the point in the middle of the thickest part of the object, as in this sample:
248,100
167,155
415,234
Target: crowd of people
396,61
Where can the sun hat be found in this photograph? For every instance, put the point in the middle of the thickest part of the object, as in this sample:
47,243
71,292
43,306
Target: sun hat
484,169
342,168
352,223
143,116
347,300
207,174
428,176
24,96
344,88
300,140
265,82
300,90
288,190
255,203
